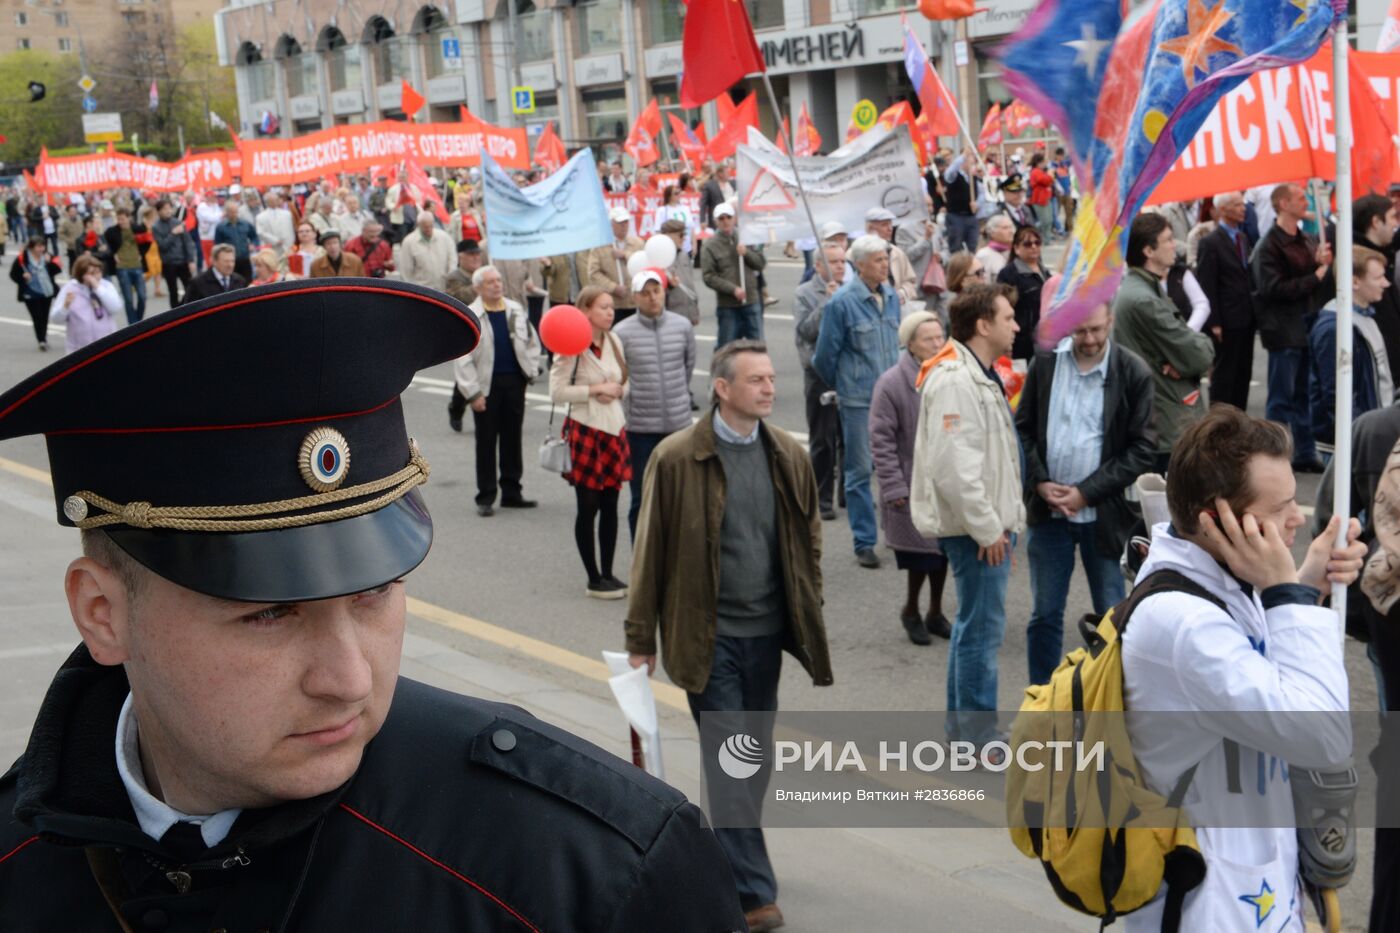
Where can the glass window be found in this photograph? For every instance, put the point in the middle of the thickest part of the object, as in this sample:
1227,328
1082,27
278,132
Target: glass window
60,19
605,114
535,42
665,20
343,67
301,75
262,81
390,60
766,14
437,63
546,111
21,19
24,43
65,45
599,26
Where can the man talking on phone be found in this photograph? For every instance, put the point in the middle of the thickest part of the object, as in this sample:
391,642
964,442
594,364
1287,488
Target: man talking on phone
1236,662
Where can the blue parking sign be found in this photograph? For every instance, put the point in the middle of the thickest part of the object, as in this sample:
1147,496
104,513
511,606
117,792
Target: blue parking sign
522,99
451,48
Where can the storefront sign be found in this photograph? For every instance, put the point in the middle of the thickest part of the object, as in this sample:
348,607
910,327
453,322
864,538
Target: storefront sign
859,43
665,62
349,100
999,17
306,107
540,77
598,69
446,89
389,95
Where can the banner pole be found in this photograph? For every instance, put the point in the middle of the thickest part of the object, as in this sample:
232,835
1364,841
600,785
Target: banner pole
1341,466
797,177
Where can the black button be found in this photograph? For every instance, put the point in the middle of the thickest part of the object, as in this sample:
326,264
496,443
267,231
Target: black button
155,919
503,739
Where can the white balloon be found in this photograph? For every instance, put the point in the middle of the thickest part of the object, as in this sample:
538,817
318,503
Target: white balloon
637,262
661,251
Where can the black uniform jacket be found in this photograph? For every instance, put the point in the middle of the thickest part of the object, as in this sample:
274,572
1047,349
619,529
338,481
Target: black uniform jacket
463,815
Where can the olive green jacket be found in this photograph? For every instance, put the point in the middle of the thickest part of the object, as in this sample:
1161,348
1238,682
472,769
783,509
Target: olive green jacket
675,560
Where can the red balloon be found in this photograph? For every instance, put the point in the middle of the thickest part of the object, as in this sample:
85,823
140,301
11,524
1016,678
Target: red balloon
565,330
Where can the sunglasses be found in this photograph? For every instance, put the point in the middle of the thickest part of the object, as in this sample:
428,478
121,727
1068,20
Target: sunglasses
1030,242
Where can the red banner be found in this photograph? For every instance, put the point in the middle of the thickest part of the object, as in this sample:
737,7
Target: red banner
1280,125
643,204
119,170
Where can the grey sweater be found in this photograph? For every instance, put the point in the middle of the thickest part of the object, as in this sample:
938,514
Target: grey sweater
750,573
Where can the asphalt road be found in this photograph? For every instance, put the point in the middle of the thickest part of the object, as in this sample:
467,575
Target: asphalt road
519,570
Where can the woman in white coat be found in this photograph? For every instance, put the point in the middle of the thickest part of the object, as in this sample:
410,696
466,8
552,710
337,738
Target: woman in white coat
87,304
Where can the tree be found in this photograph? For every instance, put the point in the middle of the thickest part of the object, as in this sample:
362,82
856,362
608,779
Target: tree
53,121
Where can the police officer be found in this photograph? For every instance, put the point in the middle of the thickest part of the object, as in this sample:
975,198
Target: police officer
231,746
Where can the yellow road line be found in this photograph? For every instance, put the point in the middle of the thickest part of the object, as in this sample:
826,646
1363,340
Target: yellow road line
484,631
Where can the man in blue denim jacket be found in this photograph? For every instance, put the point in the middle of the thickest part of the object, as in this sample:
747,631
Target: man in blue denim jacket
859,340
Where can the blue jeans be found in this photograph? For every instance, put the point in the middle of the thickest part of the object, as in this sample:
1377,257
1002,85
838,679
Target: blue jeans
809,265
1051,552
977,634
132,283
962,232
743,676
742,323
1287,401
855,465
641,446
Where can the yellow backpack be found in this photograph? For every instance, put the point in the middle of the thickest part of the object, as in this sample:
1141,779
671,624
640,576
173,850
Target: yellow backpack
1106,841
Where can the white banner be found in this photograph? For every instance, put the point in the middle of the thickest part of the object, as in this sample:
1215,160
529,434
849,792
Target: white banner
879,169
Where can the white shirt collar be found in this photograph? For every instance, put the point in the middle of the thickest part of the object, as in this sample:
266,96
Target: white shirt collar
154,815
726,433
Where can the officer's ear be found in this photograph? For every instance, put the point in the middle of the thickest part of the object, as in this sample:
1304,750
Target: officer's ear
102,605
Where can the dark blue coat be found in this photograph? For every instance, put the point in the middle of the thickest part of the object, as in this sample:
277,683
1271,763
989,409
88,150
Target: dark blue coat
1322,376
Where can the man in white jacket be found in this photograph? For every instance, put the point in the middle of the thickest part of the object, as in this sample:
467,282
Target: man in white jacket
966,491
492,380
1243,695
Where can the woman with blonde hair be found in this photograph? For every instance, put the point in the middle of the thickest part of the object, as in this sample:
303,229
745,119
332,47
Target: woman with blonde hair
265,268
592,384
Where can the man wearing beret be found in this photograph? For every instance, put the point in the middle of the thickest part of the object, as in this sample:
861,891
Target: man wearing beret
231,746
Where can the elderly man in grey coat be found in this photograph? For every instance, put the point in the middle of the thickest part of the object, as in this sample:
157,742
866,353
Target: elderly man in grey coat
823,415
659,347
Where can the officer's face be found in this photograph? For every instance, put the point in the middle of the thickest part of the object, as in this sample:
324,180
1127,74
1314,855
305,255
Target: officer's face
248,705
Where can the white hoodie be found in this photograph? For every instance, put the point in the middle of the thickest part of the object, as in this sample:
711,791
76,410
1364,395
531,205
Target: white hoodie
1183,654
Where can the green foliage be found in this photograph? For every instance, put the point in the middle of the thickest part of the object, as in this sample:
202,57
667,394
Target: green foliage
52,121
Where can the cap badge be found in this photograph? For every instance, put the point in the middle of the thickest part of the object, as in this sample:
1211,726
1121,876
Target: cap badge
324,459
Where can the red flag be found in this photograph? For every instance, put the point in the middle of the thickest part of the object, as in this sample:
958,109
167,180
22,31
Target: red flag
650,119
1373,135
852,131
734,130
991,128
641,142
686,140
903,113
782,136
410,102
808,140
423,190
549,149
718,50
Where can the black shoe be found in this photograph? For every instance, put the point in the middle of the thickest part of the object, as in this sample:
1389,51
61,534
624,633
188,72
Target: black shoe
915,627
866,558
938,625
485,510
1309,466
518,503
828,514
455,421
606,589
616,582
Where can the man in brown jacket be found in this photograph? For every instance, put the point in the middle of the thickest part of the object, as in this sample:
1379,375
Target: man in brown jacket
606,266
731,600
335,261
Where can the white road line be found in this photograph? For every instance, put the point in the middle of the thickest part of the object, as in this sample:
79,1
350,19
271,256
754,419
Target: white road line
706,338
434,390
59,328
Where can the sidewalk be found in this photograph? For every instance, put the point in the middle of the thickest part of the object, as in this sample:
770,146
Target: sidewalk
887,880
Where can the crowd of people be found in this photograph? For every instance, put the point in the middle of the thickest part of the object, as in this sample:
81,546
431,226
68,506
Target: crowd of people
931,412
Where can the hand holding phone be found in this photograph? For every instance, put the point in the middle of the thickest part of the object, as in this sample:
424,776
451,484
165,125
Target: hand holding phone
1254,551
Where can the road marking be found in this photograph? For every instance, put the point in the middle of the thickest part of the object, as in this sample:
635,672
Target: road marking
23,323
535,648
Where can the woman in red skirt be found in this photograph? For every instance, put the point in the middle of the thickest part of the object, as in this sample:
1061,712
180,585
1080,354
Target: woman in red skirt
592,384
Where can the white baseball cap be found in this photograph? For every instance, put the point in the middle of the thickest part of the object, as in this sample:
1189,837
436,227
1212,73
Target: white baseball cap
833,228
724,209
877,215
619,215
640,280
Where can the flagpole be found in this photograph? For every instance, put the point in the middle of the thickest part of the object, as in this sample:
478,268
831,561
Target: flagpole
797,177
1341,463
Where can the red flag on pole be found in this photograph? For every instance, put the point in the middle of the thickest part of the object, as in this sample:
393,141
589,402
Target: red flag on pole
686,140
991,128
782,136
1373,136
734,130
411,101
650,120
423,190
549,149
808,140
718,50
641,142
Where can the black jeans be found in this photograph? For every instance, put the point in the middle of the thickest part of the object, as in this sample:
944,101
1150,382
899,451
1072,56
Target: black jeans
176,273
244,267
500,426
1234,363
39,314
823,438
743,678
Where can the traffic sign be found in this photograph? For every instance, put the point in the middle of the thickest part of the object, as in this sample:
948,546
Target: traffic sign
452,51
522,99
864,115
87,84
89,104
102,127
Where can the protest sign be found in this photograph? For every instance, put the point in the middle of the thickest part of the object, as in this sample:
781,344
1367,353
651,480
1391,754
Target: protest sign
877,169
565,213
119,170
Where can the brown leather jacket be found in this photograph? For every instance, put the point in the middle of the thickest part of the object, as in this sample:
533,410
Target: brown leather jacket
675,561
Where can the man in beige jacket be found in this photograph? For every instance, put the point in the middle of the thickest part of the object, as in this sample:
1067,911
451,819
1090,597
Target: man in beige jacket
966,491
426,255
606,266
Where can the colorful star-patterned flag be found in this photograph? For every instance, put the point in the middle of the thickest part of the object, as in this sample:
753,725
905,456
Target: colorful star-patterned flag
1130,95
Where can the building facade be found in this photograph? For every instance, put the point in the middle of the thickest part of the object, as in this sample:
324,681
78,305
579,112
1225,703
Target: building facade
592,65
69,26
